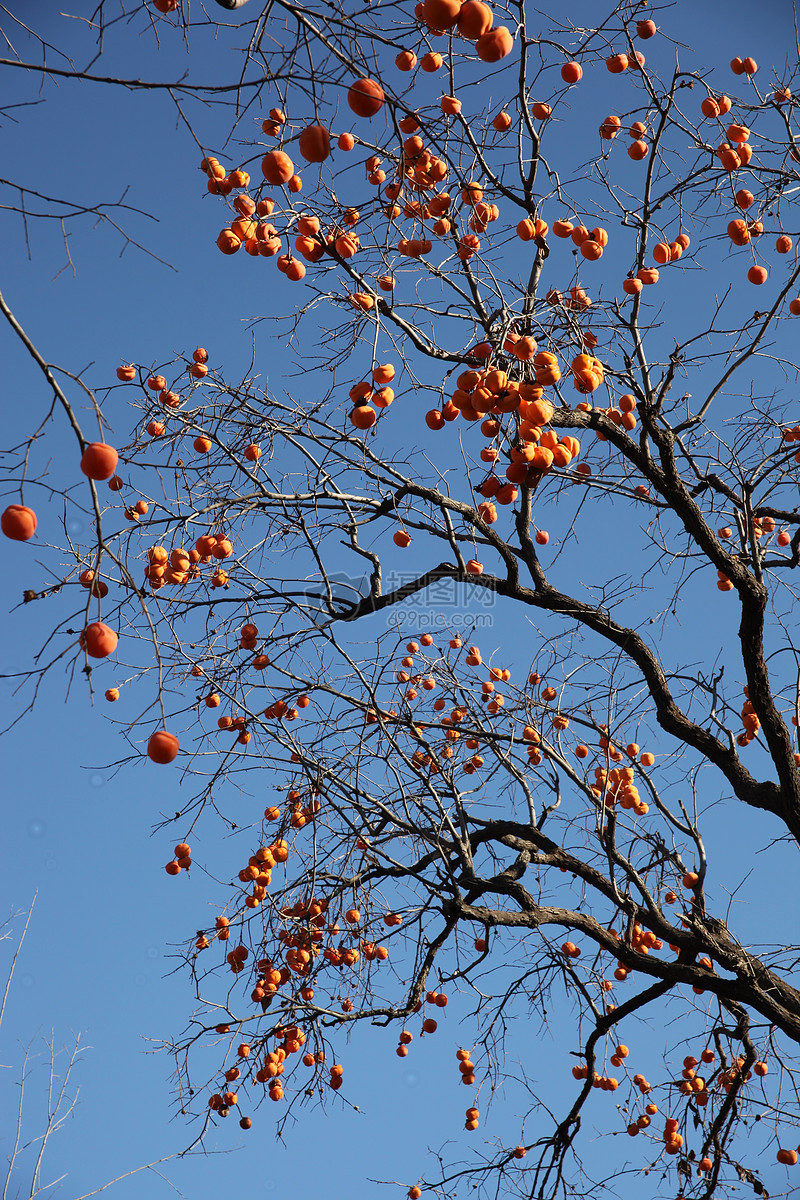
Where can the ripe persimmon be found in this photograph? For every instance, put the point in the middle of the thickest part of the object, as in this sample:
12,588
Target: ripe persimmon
18,522
365,97
162,747
277,167
474,19
98,640
617,63
495,45
314,143
99,461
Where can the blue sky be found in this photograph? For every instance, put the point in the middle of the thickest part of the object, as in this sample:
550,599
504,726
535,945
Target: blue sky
97,962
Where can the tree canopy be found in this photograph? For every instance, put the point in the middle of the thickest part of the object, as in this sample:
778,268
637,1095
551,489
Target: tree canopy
466,607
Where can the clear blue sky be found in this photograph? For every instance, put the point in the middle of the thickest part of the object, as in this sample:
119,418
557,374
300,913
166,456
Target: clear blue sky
97,961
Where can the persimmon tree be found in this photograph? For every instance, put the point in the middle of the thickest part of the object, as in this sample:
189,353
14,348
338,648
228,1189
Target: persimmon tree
479,634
